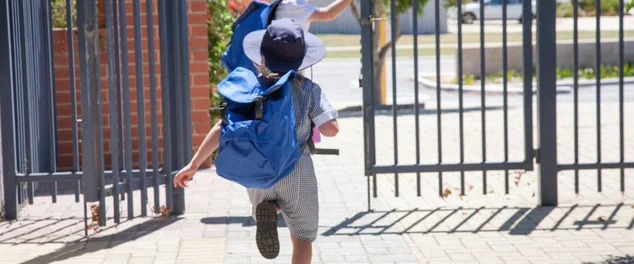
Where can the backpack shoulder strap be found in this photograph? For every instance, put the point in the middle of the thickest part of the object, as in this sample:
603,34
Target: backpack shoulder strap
272,10
252,7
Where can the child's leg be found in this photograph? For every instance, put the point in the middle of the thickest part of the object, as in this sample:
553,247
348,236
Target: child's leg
302,251
266,235
265,212
298,198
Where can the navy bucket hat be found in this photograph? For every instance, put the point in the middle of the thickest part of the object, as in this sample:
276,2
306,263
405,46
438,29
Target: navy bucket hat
285,47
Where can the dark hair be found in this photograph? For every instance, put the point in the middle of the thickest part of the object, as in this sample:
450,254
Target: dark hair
271,77
266,74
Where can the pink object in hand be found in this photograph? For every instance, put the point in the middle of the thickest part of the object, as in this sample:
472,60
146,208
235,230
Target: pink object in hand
316,135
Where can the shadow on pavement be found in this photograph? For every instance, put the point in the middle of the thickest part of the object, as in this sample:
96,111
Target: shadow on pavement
627,259
83,246
246,221
514,220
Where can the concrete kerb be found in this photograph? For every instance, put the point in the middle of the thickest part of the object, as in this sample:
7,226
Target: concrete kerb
403,103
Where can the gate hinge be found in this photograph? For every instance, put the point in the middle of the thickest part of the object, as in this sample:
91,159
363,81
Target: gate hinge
370,20
536,154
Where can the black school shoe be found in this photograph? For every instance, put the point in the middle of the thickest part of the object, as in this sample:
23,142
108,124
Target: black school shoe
266,236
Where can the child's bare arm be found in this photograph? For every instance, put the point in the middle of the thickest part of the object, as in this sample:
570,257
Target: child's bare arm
211,142
330,128
209,145
331,11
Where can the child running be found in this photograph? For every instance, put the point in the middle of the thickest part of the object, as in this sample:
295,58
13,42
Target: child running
283,47
303,13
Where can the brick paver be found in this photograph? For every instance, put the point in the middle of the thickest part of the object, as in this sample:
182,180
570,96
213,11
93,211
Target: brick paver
476,228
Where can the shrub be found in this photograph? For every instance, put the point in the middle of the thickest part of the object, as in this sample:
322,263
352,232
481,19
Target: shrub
237,6
58,13
608,7
219,22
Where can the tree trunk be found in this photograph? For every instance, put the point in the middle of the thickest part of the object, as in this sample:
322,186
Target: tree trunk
380,51
378,65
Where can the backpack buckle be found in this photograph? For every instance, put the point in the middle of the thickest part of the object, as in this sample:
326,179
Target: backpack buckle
223,112
259,108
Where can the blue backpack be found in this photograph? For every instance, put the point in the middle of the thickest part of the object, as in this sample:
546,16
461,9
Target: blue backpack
257,16
258,143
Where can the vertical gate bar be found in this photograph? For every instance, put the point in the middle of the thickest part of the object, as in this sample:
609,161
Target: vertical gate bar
7,113
505,93
33,83
621,94
416,102
22,92
575,69
483,97
369,199
117,68
85,201
460,96
375,190
37,40
367,59
112,104
127,132
93,177
18,57
177,80
547,99
26,40
19,72
31,191
21,194
153,109
51,85
97,112
140,102
73,94
527,53
394,17
597,72
165,88
179,195
184,35
26,59
438,91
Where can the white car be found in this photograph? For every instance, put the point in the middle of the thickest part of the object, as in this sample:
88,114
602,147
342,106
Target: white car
492,10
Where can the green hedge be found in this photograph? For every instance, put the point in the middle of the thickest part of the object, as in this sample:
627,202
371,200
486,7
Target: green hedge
588,8
58,13
219,22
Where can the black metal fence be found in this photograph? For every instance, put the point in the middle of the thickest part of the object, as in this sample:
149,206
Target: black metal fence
29,154
544,153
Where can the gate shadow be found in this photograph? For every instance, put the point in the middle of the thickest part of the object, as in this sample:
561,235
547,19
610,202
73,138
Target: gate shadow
246,221
627,259
83,246
514,220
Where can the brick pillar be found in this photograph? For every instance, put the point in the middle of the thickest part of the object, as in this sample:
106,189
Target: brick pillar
199,71
197,18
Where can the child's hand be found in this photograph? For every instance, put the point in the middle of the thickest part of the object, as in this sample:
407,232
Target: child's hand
184,175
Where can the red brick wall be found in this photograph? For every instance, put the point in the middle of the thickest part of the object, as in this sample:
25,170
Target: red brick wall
197,15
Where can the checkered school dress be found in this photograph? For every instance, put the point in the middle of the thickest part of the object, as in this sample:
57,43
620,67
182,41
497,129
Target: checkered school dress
297,194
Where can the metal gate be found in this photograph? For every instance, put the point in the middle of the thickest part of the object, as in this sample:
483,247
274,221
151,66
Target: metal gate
29,118
544,154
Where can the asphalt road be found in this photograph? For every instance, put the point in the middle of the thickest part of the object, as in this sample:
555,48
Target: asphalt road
339,78
608,23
